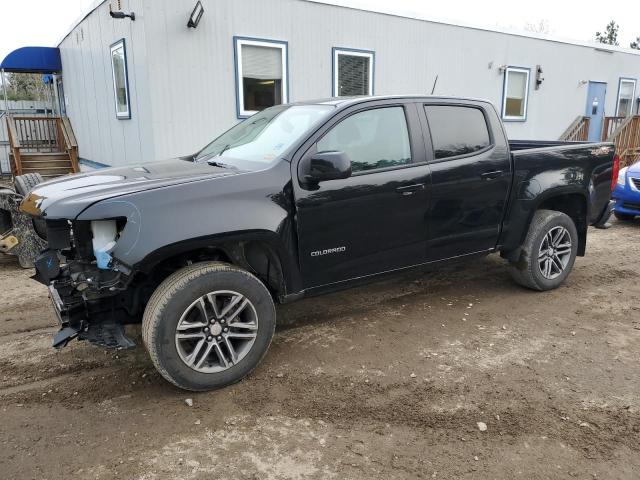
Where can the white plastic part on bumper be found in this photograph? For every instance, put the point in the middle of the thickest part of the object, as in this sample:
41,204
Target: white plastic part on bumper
104,239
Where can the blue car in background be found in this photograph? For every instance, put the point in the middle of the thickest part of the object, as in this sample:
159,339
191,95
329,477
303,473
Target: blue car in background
627,193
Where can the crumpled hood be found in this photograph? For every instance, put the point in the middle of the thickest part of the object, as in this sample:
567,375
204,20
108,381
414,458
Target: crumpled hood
68,196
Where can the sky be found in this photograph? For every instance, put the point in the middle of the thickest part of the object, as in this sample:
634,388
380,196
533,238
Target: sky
44,22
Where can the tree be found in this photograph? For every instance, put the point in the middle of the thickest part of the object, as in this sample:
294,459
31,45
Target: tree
25,86
635,44
541,27
610,35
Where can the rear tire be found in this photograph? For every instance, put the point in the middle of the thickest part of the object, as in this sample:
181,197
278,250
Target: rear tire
27,182
623,217
208,325
548,252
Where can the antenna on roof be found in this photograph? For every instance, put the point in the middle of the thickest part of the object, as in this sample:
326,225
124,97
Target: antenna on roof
435,82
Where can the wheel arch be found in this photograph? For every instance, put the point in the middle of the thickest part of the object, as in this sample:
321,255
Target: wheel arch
570,201
258,251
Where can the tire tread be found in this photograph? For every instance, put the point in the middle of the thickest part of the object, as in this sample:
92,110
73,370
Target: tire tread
172,285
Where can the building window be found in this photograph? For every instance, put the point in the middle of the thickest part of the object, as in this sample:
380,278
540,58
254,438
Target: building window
120,79
626,94
457,130
262,70
373,139
352,72
515,94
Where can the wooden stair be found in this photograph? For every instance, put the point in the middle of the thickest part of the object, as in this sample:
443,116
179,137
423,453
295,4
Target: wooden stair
44,145
48,165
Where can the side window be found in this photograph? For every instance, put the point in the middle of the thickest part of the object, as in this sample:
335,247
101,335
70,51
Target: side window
261,72
457,130
352,72
515,94
372,139
120,80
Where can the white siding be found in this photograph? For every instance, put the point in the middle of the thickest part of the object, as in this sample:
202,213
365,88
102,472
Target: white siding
88,89
182,80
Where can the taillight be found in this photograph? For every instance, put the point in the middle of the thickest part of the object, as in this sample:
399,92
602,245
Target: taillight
616,172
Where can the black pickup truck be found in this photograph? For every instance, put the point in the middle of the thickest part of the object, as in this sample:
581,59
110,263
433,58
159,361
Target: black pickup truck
298,200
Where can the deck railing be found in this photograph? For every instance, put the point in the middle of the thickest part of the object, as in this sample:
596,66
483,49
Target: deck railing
611,124
30,135
627,140
578,131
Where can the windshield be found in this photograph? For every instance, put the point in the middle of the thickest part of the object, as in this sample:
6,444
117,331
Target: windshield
260,139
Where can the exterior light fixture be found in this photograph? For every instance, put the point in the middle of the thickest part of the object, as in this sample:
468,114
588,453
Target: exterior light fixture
196,15
120,15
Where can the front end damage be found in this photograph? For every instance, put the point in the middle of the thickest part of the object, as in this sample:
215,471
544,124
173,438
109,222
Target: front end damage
88,289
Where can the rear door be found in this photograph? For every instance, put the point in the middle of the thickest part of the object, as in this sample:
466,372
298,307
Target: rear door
376,220
470,178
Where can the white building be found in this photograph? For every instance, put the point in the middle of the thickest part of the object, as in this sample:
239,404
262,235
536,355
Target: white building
153,87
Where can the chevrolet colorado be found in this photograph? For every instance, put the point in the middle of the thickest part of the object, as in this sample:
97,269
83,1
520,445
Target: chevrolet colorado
298,200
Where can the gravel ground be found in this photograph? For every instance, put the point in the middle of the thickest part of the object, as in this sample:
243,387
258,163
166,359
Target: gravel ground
394,380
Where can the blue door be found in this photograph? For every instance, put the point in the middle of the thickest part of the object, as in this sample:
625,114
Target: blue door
595,109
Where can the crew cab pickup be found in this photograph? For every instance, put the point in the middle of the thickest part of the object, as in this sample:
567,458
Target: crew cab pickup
298,200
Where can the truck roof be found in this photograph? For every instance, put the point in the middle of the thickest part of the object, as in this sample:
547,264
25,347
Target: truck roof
343,101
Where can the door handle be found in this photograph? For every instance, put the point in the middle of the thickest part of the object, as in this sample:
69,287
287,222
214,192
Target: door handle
491,175
410,189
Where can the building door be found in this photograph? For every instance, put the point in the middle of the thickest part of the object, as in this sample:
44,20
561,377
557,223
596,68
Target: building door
595,109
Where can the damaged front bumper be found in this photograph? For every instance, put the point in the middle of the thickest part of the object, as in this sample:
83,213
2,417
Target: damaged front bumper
89,302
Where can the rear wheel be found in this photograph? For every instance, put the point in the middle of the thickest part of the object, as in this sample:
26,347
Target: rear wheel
548,253
624,217
208,325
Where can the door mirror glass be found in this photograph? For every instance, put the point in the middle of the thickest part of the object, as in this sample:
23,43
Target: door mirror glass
324,166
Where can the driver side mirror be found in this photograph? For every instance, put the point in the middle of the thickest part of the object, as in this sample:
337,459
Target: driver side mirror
323,166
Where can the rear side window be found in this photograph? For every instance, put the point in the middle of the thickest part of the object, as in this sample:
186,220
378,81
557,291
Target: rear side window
372,139
457,130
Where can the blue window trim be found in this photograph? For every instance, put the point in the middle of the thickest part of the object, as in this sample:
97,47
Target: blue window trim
236,68
504,94
334,53
633,97
120,116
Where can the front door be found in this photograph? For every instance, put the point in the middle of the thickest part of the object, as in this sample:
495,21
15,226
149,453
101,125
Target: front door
375,220
595,109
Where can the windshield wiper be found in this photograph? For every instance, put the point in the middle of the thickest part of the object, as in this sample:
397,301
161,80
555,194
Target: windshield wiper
213,163
226,147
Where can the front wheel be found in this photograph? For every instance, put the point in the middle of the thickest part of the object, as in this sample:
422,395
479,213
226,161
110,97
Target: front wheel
208,325
548,252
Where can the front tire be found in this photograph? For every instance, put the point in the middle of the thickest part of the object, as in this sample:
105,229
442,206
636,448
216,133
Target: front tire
208,325
548,253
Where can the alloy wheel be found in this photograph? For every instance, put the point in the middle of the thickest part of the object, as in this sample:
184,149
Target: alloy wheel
555,252
216,331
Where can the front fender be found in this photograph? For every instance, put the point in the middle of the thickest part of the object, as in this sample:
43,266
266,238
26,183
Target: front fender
173,215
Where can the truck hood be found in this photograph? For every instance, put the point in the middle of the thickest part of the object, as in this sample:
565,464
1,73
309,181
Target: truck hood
79,191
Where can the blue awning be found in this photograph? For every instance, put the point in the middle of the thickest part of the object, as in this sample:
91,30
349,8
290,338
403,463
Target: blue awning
33,60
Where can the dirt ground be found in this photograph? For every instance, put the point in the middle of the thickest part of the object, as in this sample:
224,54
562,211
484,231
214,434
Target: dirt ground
385,381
